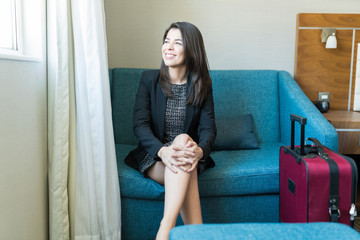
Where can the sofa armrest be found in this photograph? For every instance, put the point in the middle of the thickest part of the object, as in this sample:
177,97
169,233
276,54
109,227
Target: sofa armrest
294,101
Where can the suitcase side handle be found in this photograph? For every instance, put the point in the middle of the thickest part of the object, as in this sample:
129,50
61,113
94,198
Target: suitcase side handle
302,121
319,147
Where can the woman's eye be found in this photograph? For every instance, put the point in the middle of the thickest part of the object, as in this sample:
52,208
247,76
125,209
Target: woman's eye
179,43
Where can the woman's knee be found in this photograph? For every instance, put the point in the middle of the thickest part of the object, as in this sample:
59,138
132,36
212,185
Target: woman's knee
182,139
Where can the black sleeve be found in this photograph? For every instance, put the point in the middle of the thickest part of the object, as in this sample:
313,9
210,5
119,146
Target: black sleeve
207,127
142,116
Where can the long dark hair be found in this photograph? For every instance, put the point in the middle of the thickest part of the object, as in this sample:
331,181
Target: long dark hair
197,69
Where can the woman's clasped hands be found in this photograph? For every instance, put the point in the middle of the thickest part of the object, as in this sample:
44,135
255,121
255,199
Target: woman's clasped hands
181,157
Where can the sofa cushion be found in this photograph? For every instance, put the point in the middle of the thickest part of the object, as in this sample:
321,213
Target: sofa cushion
235,133
242,172
239,172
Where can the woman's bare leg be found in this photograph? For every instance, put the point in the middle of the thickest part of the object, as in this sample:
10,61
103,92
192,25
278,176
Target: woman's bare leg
176,186
181,193
191,210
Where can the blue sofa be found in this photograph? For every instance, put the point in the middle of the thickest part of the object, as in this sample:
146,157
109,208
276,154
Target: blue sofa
244,184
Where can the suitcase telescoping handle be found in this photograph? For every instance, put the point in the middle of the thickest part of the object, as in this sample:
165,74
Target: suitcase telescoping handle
302,122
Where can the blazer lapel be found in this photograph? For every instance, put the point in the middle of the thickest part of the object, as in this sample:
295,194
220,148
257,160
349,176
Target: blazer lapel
161,105
188,117
189,112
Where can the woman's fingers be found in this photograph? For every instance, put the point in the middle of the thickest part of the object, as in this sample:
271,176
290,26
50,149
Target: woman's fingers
193,166
175,162
175,168
182,152
183,155
178,148
181,161
172,167
175,165
184,167
190,143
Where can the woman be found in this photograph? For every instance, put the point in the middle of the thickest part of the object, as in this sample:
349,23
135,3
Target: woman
175,124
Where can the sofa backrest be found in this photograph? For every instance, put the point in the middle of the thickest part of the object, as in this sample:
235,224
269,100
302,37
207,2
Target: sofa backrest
124,83
236,92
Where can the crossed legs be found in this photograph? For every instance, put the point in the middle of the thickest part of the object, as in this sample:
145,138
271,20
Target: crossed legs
181,193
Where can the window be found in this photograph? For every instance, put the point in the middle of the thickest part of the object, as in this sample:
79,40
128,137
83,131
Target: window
8,25
22,30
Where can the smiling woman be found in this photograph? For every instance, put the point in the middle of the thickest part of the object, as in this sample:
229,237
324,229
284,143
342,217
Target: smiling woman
175,124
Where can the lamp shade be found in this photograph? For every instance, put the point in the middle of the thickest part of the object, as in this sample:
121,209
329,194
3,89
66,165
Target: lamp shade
331,41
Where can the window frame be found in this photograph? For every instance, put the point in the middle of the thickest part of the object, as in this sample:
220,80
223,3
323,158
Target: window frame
18,51
14,28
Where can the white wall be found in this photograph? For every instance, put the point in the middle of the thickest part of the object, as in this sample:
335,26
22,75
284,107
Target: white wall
23,146
238,34
23,151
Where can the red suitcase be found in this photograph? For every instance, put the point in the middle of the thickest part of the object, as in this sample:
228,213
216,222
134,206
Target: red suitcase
316,183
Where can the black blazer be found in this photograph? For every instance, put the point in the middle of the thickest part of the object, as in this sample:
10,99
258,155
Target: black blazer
149,120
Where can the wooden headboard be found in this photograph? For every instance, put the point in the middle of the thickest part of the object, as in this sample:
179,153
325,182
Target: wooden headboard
318,69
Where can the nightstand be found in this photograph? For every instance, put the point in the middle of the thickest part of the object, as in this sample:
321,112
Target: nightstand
347,124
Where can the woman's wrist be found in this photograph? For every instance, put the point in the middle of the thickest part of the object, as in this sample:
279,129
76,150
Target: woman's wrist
201,153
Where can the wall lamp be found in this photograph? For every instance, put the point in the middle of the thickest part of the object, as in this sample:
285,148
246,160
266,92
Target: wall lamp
329,36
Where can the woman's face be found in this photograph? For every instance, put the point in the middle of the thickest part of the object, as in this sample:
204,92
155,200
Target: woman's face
173,49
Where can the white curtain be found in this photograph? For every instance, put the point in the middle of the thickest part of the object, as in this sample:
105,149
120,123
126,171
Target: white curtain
84,191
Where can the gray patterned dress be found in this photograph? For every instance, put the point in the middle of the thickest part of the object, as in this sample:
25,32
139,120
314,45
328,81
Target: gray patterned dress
174,121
